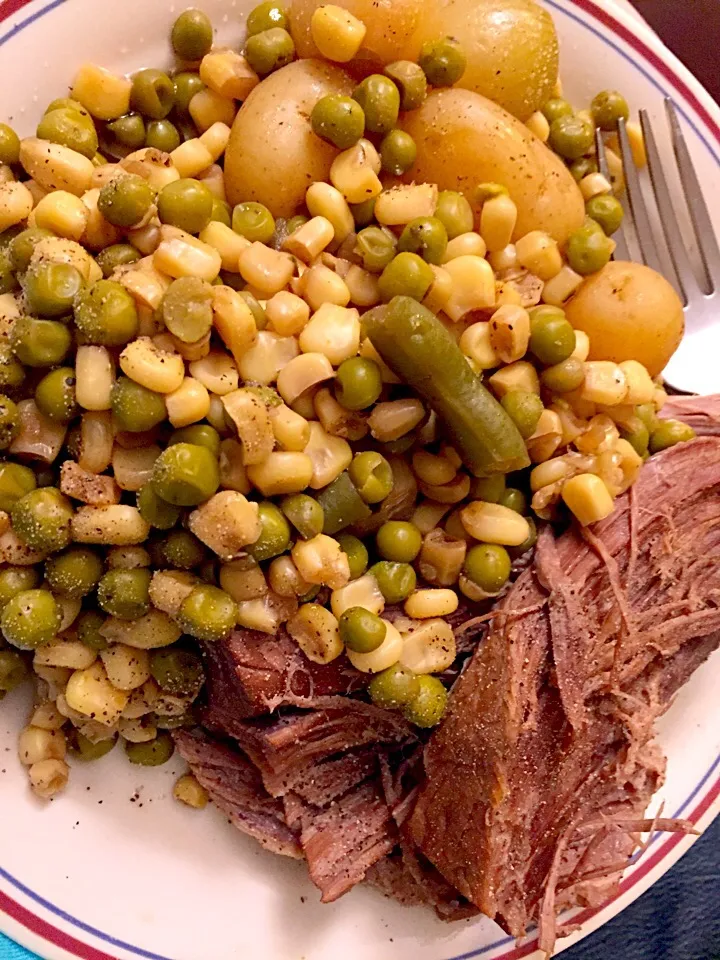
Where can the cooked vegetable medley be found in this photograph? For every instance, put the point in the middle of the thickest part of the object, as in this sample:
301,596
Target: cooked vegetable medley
290,374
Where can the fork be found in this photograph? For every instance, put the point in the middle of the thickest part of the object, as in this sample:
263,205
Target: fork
695,367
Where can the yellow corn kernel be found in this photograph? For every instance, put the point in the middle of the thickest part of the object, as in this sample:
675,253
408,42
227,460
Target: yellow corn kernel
321,561
143,362
599,435
336,419
363,592
54,167
354,172
102,93
266,613
428,514
226,523
94,377
127,667
630,463
214,180
640,387
430,647
333,331
291,431
616,171
191,157
637,143
91,693
287,313
39,437
243,579
284,471
537,123
561,287
337,34
431,468
494,523
604,383
207,108
548,473
98,232
315,630
310,239
594,185
153,630
582,346
285,580
252,422
399,205
266,269
185,256
429,603
228,74
510,332
517,376
6,174
217,372
329,455
64,652
505,259
233,475
368,351
215,139
16,203
36,744
392,419
188,404
324,200
497,221
146,239
112,524
63,214
36,190
48,777
188,791
386,655
97,435
15,551
453,492
539,253
146,283
588,498
234,321
132,468
321,285
268,355
547,437
475,343
473,286
47,717
9,312
438,293
300,374
465,245
363,287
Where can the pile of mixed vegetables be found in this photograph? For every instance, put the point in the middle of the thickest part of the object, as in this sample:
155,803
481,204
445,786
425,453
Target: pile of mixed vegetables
218,417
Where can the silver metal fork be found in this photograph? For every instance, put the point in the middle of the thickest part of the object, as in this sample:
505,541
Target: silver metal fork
695,367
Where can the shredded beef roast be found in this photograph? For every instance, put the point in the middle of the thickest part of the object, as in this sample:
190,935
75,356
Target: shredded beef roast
700,413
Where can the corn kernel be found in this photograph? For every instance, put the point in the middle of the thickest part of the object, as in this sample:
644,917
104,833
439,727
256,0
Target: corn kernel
324,200
475,343
102,93
337,34
465,245
310,239
353,172
321,561
208,107
362,592
517,376
587,498
284,471
497,221
494,523
316,632
215,139
333,331
321,285
594,185
399,205
228,74
537,123
539,253
63,214
605,383
558,290
640,387
329,455
510,332
425,604
16,203
473,286
386,655
300,374
185,256
266,269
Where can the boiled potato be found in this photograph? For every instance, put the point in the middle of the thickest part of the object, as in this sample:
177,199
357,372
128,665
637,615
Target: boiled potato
273,156
629,312
464,140
511,48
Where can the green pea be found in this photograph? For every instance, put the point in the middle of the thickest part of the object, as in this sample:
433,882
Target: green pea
208,613
397,152
87,751
524,410
372,475
583,167
221,211
177,671
30,619
269,50
201,434
9,145
427,708
256,309
376,247
394,687
162,135
66,103
75,572
186,204
556,108
442,61
15,481
453,210
488,566
55,395
607,108
647,414
265,16
361,631
571,136
14,580
124,593
12,372
9,421
380,101
274,536
22,247
607,211
88,626
410,80
116,255
156,511
398,540
514,499
135,408
185,474
126,200
253,221
7,236
71,129
40,343
187,308
294,223
588,250
185,86
425,236
363,213
638,437
50,288
192,35
669,432
396,580
180,550
152,753
304,513
565,376
489,489
339,120
8,280
152,93
358,383
527,544
13,671
106,314
129,130
407,275
552,339
356,552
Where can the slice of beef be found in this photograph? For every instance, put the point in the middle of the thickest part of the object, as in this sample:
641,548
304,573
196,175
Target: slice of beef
701,413
548,742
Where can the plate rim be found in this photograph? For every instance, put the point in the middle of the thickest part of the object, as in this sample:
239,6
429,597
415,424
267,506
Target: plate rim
34,932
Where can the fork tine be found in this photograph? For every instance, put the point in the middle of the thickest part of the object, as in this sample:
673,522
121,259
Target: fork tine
707,242
620,238
643,228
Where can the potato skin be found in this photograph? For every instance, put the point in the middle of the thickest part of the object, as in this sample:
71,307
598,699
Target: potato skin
629,312
464,139
273,156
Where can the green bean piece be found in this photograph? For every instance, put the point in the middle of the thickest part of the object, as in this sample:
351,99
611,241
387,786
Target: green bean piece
208,613
407,275
396,580
14,580
571,136
180,550
424,354
126,201
42,519
425,236
50,288
380,101
274,536
556,108
75,572
106,314
442,61
265,16
253,221
30,619
372,476
9,145
152,93
360,630
129,130
222,212
12,372
358,383
607,108
257,310
339,120
488,566
394,687
588,250
552,339
376,247
152,753
427,708
88,626
201,434
565,376
607,211
583,167
15,481
342,504
116,255
187,308
356,552
124,593
185,86
13,671
269,50
398,152
363,213
192,35
71,129
489,489
410,80
55,395
186,204
9,421
398,540
304,513
185,474
22,247
156,511
638,436
8,280
162,135
669,432
135,408
524,410
88,751
177,671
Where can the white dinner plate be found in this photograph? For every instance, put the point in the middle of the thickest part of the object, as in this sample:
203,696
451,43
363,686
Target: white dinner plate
114,869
